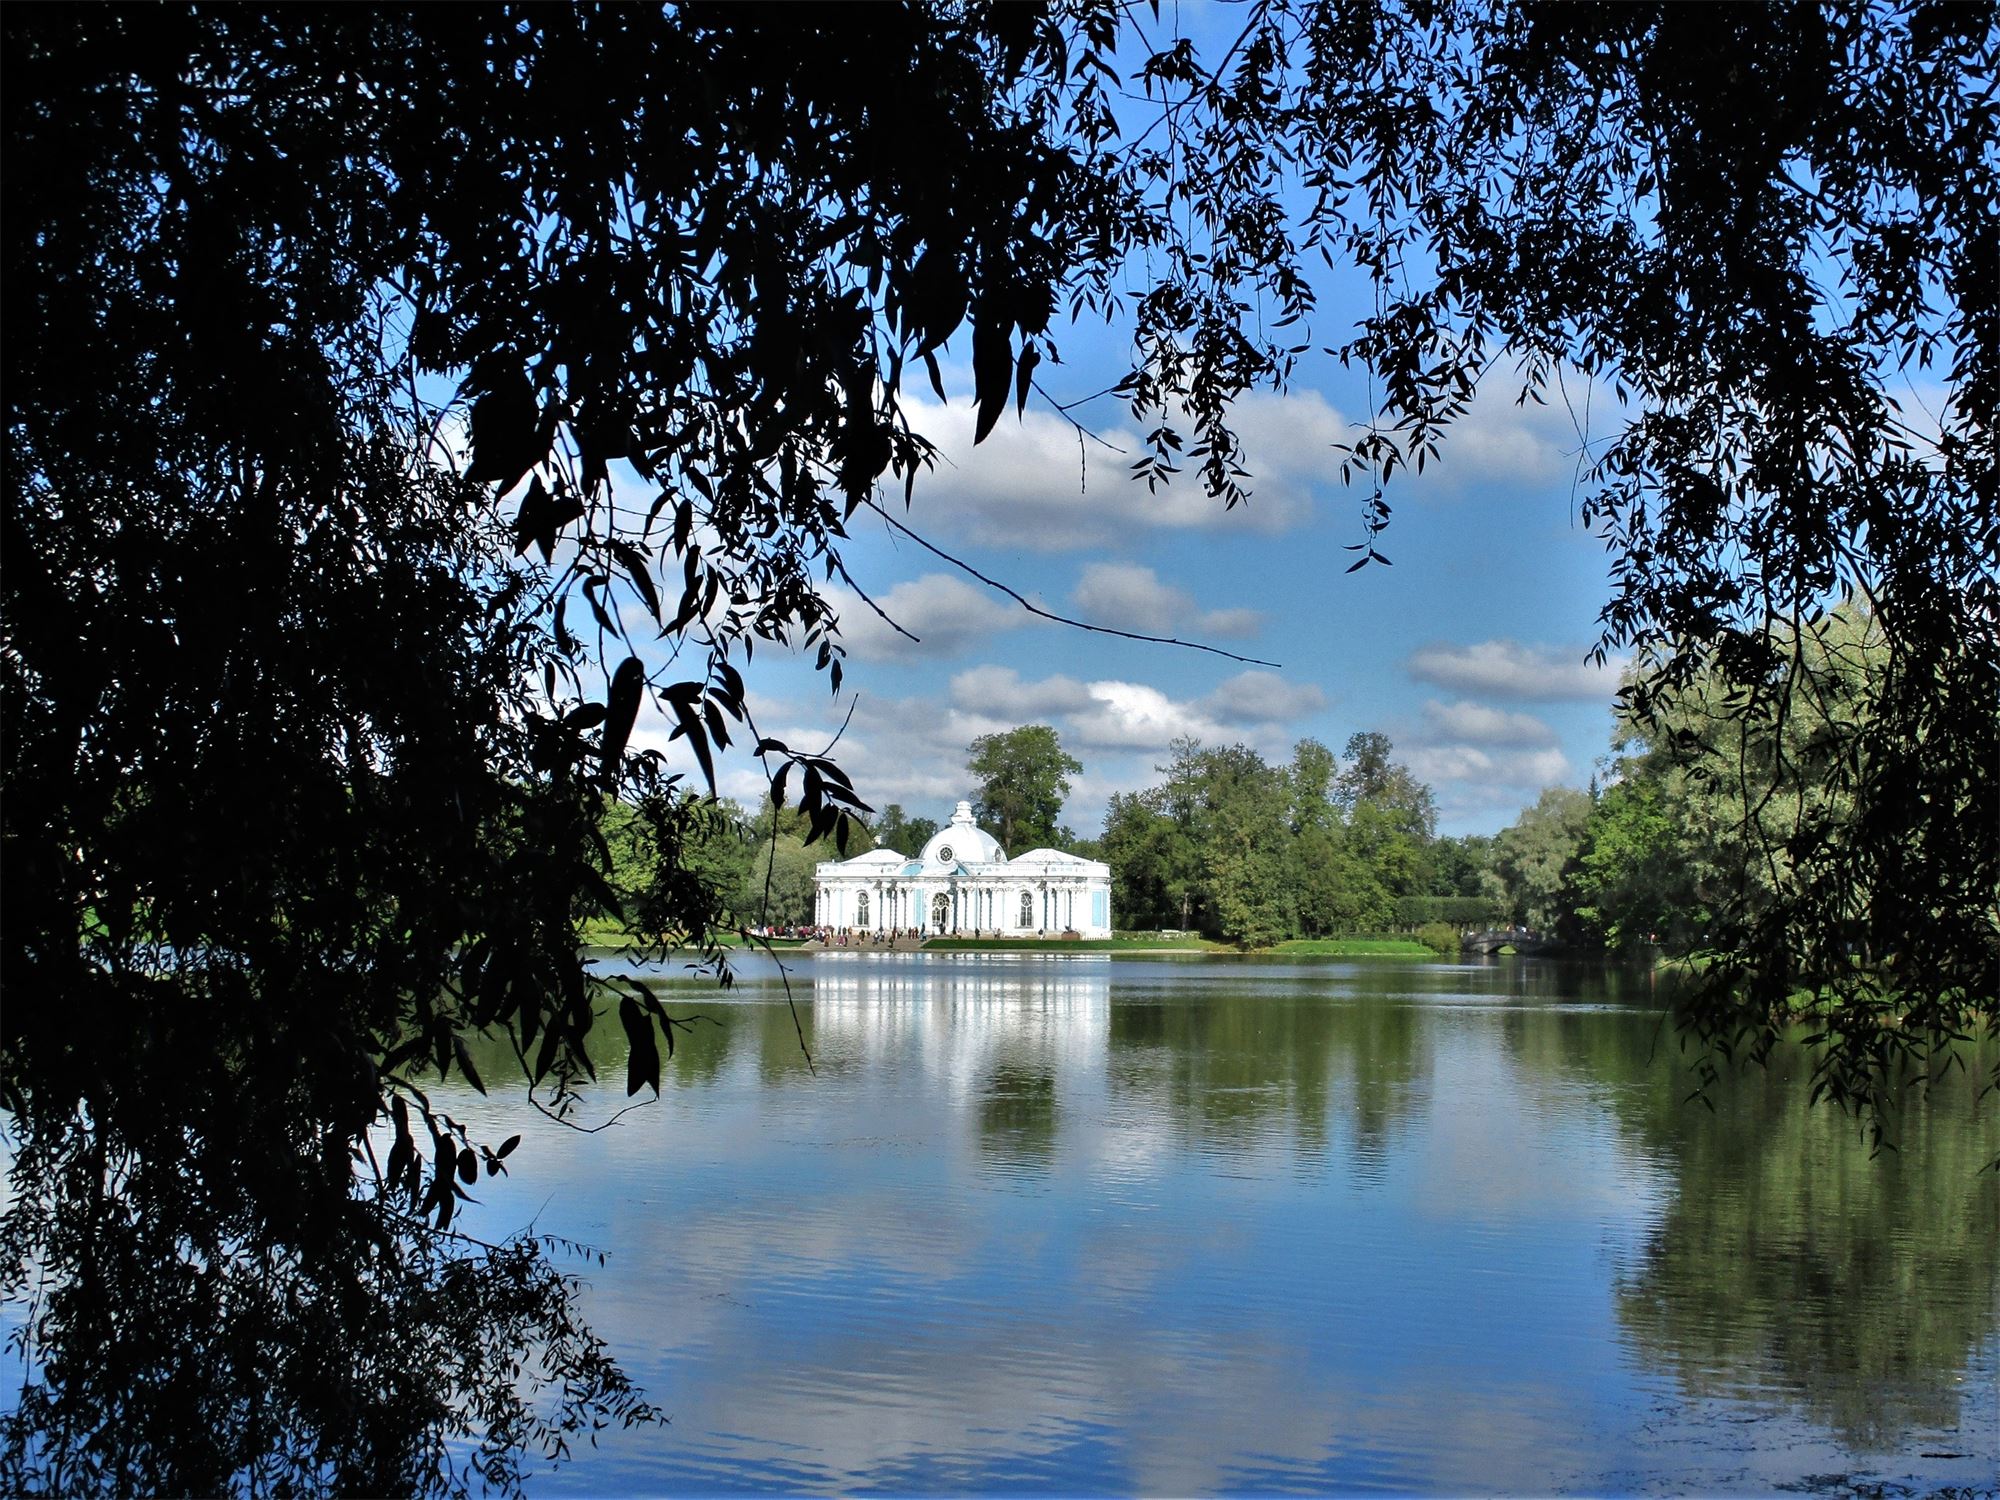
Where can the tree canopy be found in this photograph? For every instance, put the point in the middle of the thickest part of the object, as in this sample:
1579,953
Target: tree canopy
1252,853
1021,779
325,332
895,829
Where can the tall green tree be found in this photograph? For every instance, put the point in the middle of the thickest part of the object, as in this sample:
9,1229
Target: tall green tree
1243,836
1637,877
1534,857
777,885
1333,889
1020,781
1154,863
895,829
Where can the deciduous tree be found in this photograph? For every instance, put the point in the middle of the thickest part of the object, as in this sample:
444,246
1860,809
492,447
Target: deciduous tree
1021,779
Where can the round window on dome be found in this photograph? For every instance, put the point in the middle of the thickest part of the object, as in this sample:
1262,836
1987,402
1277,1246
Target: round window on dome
944,853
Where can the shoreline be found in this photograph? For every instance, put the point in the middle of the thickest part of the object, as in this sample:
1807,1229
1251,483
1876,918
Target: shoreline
1108,947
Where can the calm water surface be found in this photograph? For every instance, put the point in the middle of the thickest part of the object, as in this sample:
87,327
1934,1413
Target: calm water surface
1084,1224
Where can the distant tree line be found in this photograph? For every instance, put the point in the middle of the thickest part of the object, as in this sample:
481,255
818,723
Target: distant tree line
1708,817
1684,828
1252,853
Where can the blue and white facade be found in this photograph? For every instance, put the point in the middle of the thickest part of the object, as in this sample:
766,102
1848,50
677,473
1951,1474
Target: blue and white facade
964,884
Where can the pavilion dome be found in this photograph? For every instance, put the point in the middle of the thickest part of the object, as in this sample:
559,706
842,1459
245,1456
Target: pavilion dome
963,842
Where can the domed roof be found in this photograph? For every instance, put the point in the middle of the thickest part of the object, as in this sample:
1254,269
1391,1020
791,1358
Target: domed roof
963,842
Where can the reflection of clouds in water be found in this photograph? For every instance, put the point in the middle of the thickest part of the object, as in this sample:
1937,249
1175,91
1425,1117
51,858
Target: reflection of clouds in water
1508,1141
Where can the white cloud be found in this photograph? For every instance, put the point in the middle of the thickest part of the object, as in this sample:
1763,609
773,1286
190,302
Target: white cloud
1229,624
1263,698
1479,724
912,750
1118,715
1497,443
945,613
1525,770
999,691
1037,482
1128,596
1508,669
1135,716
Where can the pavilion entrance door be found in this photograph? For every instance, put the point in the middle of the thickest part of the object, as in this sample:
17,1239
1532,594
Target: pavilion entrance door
941,912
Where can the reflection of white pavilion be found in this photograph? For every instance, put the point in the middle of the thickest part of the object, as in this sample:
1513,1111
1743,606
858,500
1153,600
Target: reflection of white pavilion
961,1017
963,882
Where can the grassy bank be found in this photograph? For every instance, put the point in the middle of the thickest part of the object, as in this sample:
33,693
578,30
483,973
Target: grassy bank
1354,948
611,936
1140,943
1118,942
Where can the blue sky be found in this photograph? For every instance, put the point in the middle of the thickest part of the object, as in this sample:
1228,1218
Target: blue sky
1469,652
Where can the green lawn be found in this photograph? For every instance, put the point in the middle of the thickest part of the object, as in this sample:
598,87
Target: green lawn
1355,948
604,934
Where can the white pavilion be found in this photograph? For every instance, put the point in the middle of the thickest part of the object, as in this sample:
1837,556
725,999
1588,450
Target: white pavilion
963,883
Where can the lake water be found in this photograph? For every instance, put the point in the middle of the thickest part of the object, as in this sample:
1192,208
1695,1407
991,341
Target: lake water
1081,1224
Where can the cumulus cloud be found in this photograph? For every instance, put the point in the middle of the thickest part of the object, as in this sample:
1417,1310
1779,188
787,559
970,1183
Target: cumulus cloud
1136,716
1503,443
945,613
1479,724
1106,715
1497,443
1037,482
1480,757
912,750
1508,669
1131,597
1522,770
1263,698
1118,715
1000,692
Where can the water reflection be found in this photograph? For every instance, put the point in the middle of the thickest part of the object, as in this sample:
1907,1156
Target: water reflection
1790,1267
1083,1225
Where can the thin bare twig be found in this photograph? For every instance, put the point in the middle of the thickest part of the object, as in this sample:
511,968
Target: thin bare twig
1036,609
848,579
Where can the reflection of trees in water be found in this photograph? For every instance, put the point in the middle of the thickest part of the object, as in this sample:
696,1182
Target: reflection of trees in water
1786,1260
699,1050
1018,1116
1865,1285
1230,1067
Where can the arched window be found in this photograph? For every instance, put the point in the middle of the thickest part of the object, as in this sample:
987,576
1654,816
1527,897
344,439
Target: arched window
940,911
861,910
1027,909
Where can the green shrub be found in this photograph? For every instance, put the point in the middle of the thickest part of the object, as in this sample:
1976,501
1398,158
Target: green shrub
1440,937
